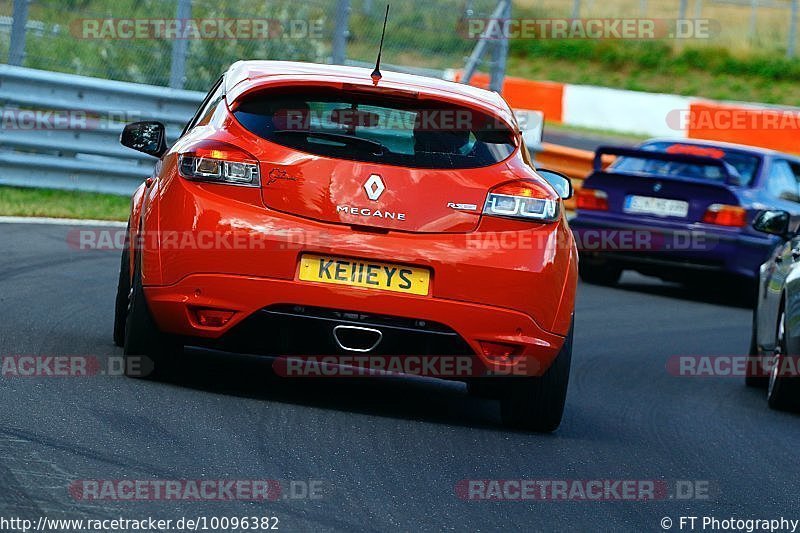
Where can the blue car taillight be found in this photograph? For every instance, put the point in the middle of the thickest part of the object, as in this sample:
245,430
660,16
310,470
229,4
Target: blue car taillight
592,200
726,215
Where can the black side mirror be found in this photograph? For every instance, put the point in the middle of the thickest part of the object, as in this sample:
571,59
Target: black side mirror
773,222
147,137
561,183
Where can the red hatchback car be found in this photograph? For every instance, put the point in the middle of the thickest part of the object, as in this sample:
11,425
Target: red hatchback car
313,210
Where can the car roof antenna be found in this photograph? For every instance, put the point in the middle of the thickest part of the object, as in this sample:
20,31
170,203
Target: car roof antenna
376,74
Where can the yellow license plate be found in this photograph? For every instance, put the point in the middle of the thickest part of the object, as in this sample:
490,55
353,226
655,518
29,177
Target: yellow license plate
367,274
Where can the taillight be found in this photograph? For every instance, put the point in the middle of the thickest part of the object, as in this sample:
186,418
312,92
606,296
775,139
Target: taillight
525,200
219,162
726,215
592,200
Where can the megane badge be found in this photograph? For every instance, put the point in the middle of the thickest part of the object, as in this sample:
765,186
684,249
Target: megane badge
374,187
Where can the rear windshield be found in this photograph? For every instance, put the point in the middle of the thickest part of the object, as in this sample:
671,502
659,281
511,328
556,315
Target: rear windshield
378,129
745,164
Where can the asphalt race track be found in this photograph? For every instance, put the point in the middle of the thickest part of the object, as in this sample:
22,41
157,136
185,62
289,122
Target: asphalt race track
388,453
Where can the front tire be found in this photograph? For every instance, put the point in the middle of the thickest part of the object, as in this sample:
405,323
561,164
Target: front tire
537,403
148,353
757,379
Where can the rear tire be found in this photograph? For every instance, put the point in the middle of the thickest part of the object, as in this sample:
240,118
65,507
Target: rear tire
537,403
783,392
599,274
148,353
123,293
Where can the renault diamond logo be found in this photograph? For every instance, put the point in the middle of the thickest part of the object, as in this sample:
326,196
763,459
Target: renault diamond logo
374,187
657,187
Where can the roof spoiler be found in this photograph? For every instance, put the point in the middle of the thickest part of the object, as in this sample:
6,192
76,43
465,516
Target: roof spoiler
728,171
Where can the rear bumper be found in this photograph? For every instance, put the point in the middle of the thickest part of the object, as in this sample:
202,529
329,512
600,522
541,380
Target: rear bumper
511,283
294,330
668,248
451,326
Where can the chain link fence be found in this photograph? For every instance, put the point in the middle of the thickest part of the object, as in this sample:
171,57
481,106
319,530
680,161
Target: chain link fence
188,43
745,26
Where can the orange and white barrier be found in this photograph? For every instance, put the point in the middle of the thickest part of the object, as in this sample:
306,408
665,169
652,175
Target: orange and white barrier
777,128
653,114
544,96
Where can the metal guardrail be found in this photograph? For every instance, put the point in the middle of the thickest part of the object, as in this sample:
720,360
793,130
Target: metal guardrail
73,143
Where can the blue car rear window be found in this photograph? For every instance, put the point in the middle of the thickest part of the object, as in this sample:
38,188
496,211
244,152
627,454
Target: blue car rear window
745,164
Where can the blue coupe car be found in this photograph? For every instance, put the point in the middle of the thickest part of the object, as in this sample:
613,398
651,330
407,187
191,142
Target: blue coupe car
682,210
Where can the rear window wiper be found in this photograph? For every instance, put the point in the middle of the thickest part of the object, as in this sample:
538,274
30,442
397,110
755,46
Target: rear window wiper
374,146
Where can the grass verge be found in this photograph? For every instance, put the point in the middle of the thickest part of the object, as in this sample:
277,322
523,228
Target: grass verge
611,135
24,202
658,67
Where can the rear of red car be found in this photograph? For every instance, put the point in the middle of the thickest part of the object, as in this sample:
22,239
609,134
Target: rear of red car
329,216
